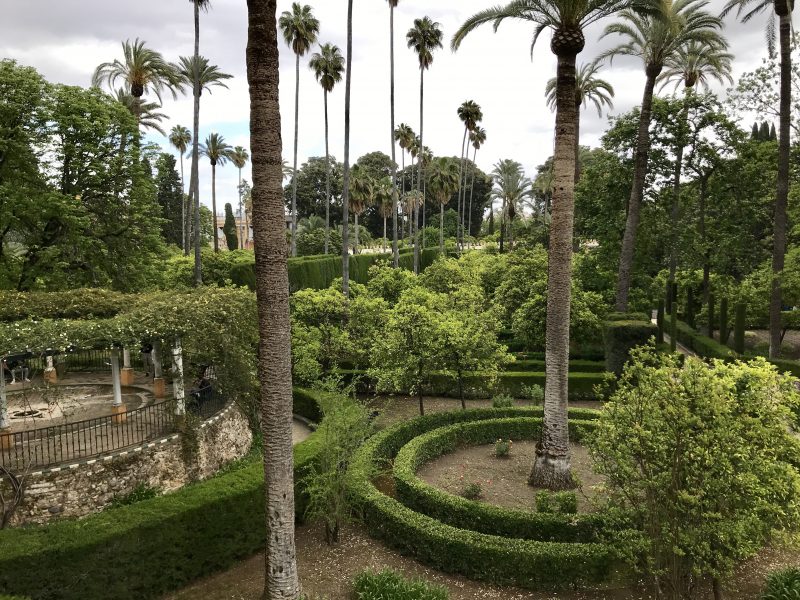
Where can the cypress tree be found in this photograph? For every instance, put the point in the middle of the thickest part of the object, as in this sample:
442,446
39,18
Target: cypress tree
763,133
668,296
229,228
674,297
773,136
711,315
754,132
724,332
690,307
673,330
738,328
660,322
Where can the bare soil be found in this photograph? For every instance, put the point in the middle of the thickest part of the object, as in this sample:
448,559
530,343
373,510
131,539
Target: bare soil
504,481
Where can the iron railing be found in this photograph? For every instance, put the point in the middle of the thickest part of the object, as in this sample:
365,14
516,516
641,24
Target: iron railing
90,438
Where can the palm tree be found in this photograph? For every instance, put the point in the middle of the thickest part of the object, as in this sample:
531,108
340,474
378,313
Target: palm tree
328,66
511,187
208,75
239,158
362,191
385,196
395,247
653,35
180,137
444,180
411,201
145,112
272,293
478,138
218,152
470,114
567,19
300,29
424,37
588,88
346,168
413,151
405,138
746,10
694,64
141,71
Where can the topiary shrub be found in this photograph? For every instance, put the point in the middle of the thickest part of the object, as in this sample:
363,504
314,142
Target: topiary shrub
622,336
502,401
782,585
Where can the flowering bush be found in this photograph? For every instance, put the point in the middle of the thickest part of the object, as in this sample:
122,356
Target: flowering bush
502,448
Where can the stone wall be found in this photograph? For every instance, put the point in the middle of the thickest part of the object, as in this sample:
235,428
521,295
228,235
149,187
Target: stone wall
167,464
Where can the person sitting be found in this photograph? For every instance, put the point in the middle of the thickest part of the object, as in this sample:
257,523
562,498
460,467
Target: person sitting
18,365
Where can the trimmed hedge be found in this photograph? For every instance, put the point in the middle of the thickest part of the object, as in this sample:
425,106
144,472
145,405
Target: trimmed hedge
633,316
459,512
701,344
575,365
501,560
621,336
146,549
83,303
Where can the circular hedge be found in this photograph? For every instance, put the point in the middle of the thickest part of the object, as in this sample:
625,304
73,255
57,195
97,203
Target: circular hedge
503,560
459,512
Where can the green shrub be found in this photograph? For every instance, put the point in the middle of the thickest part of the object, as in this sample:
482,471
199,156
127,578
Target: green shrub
632,316
390,585
621,336
534,393
783,585
71,304
137,494
472,491
502,401
699,343
543,501
501,560
575,365
502,448
564,503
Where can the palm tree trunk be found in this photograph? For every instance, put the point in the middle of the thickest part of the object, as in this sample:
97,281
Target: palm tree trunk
782,192
272,292
194,178
676,190
502,224
441,229
471,192
551,467
395,247
355,245
637,192
293,244
214,205
491,217
577,142
184,221
327,178
346,175
420,162
384,234
460,186
702,227
241,212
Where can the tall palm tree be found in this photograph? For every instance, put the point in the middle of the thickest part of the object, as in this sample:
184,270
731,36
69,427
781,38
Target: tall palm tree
146,113
405,138
395,247
385,196
653,35
362,191
746,10
470,114
413,151
424,37
346,169
218,152
567,19
193,76
411,200
208,75
444,179
696,63
239,158
272,293
477,138
180,138
142,70
328,66
300,29
511,187
588,87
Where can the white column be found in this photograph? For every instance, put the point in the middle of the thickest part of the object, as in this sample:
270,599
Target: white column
50,361
177,378
126,358
115,377
4,422
157,359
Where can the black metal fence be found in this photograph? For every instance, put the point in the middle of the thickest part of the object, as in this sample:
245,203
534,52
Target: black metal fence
82,440
93,360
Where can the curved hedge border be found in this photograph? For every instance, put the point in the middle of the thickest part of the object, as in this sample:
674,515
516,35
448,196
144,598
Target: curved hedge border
459,512
501,560
153,547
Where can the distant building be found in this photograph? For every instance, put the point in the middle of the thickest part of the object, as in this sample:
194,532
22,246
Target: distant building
245,238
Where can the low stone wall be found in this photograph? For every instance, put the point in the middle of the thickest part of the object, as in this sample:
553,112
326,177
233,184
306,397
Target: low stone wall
76,490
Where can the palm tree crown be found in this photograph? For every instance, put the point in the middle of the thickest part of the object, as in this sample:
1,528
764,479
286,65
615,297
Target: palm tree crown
145,112
328,66
216,149
443,182
747,9
142,70
588,88
180,137
299,28
361,190
404,136
698,63
239,157
424,37
477,137
470,114
209,75
510,185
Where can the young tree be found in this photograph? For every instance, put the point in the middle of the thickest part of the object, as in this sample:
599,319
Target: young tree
328,66
229,228
300,29
170,198
272,292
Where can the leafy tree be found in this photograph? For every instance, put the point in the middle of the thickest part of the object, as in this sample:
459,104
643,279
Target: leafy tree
444,177
697,457
145,112
389,283
320,315
229,228
170,199
299,28
272,295
312,178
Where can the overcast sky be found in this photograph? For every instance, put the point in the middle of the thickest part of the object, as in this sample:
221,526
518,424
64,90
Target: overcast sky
66,39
